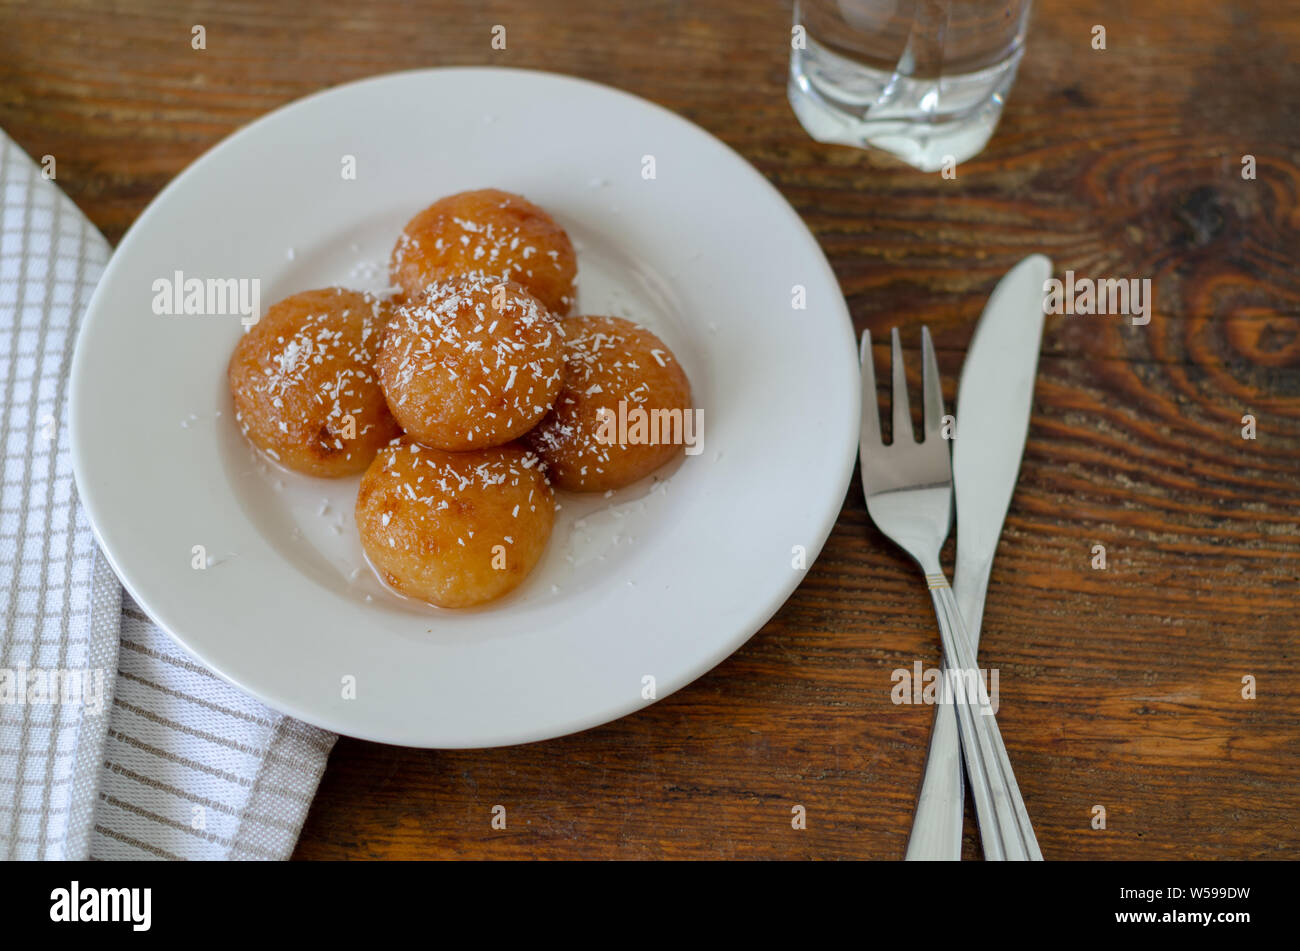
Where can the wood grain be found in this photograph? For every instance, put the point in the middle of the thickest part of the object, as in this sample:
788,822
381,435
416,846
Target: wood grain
1119,688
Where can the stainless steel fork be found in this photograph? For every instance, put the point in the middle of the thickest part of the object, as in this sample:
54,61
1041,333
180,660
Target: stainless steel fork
908,487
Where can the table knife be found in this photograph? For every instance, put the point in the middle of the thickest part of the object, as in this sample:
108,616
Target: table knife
994,399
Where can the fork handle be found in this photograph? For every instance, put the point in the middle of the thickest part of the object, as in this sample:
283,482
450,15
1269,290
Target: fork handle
1005,828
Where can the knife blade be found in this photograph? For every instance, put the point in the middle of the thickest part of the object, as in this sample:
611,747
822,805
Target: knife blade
994,400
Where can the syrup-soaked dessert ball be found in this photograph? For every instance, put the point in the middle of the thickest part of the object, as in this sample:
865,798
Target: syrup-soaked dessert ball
454,528
304,382
474,363
624,410
492,232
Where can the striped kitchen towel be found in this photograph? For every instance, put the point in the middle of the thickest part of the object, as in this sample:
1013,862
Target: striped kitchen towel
114,743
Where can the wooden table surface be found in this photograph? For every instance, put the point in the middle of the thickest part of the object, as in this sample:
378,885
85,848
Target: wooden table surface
1119,687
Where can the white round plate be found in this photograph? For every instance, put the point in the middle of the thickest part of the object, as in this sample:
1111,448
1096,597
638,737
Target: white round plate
663,580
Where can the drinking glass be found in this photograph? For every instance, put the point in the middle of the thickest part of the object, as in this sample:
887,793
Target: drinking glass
922,79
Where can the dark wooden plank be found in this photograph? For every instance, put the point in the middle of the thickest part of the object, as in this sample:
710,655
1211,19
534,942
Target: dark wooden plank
1119,687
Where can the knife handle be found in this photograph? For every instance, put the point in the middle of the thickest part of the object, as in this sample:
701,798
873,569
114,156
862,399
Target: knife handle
937,825
939,820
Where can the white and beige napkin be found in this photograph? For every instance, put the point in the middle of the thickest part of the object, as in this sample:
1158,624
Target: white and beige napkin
114,743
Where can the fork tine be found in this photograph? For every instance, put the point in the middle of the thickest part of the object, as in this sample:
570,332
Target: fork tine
870,432
902,409
931,388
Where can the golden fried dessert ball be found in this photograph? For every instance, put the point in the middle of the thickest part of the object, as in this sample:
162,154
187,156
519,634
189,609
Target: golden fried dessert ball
490,232
304,383
474,363
454,528
624,410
